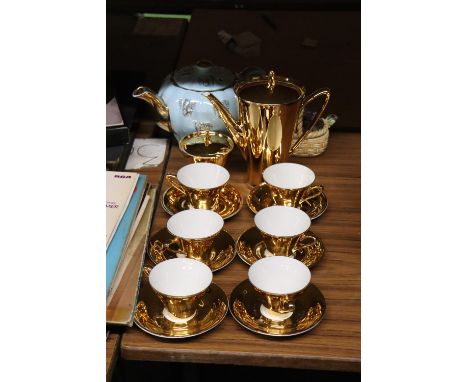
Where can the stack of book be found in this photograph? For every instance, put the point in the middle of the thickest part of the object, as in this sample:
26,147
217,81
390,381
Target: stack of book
129,208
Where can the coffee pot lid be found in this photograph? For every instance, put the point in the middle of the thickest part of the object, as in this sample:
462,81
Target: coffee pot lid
203,77
270,89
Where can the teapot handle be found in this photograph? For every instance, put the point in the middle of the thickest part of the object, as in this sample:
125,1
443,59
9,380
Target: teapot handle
324,92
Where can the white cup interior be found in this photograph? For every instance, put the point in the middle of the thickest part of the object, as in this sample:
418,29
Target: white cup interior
203,175
195,224
279,275
289,175
180,277
282,221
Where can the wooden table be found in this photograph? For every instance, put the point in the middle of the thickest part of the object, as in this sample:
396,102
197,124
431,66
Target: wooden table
335,343
112,354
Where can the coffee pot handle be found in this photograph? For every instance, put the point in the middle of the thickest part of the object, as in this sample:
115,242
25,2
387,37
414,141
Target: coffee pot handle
324,92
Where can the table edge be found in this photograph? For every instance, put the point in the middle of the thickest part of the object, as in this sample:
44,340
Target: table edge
217,356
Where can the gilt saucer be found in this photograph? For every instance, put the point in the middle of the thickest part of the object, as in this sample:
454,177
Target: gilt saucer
260,197
245,306
250,247
163,247
149,313
229,203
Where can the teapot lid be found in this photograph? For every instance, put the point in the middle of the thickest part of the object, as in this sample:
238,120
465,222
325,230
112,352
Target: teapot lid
203,76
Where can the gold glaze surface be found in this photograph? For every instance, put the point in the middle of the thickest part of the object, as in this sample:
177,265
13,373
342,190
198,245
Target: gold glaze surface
206,146
148,95
281,246
150,319
261,197
245,302
197,249
197,198
294,197
229,201
250,247
181,308
269,108
164,246
278,303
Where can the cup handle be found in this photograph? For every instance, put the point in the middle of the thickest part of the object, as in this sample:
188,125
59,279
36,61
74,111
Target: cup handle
324,92
167,247
304,246
172,179
157,246
318,190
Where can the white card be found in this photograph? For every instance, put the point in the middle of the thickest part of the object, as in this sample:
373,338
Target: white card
146,152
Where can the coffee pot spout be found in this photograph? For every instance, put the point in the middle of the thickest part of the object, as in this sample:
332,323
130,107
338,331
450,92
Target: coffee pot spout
235,128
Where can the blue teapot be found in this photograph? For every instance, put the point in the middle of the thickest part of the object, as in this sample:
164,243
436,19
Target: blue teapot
180,104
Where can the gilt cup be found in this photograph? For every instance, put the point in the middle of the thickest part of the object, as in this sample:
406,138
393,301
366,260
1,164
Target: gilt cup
279,281
201,183
195,231
282,229
180,284
290,184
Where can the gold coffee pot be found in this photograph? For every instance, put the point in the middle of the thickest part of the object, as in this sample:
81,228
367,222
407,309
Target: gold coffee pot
269,108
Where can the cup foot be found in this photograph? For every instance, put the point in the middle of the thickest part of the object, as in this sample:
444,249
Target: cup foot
267,253
168,315
274,316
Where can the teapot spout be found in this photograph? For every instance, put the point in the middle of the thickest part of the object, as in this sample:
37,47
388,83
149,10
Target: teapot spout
234,127
159,106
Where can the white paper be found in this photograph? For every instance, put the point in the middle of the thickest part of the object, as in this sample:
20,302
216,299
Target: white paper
113,116
146,152
138,218
119,190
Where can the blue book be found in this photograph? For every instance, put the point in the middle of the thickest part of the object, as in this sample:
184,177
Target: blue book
117,244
